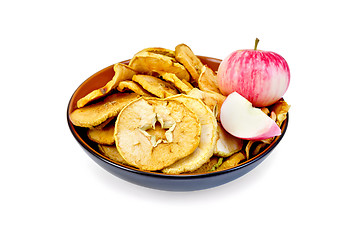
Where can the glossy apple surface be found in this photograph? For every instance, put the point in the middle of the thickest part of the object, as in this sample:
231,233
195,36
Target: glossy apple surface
262,77
242,120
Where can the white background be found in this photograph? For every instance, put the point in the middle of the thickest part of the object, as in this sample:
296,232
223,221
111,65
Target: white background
50,189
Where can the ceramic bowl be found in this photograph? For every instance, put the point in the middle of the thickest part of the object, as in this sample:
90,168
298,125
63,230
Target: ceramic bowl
183,182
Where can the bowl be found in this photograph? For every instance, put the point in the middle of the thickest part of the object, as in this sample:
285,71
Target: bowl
155,180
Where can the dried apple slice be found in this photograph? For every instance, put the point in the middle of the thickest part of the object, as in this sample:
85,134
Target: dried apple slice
247,149
122,72
258,148
211,99
226,144
182,85
150,62
265,110
103,124
280,108
207,80
103,135
155,85
134,87
152,133
206,167
253,148
192,63
207,139
159,50
232,161
97,113
112,153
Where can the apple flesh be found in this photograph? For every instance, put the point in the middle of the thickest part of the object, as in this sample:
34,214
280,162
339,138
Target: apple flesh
242,120
262,77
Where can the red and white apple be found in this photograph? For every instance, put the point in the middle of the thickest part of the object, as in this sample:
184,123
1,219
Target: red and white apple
262,77
239,118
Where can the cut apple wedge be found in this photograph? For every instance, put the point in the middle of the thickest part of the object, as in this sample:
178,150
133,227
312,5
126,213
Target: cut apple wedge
242,120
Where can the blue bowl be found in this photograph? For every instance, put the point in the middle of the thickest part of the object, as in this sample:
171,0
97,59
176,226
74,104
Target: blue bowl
155,180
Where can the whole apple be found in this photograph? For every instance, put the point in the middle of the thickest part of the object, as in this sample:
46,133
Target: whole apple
262,77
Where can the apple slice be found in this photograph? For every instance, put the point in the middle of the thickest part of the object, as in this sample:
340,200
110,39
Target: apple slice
242,120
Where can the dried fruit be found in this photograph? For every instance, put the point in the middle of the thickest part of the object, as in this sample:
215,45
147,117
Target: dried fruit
207,80
170,122
182,85
192,63
148,62
159,50
122,72
211,99
97,113
207,167
226,144
207,139
112,153
280,108
103,135
152,133
155,85
232,161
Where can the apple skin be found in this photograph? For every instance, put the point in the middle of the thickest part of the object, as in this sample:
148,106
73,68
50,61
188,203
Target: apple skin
262,77
239,118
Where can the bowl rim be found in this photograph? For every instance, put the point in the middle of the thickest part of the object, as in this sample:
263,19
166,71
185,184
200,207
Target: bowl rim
131,169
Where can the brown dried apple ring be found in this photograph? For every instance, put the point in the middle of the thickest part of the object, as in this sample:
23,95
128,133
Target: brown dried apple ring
232,161
103,135
182,85
152,133
97,113
206,167
211,99
226,144
207,139
207,80
254,147
156,86
149,62
134,87
122,72
159,50
280,108
192,63
112,153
